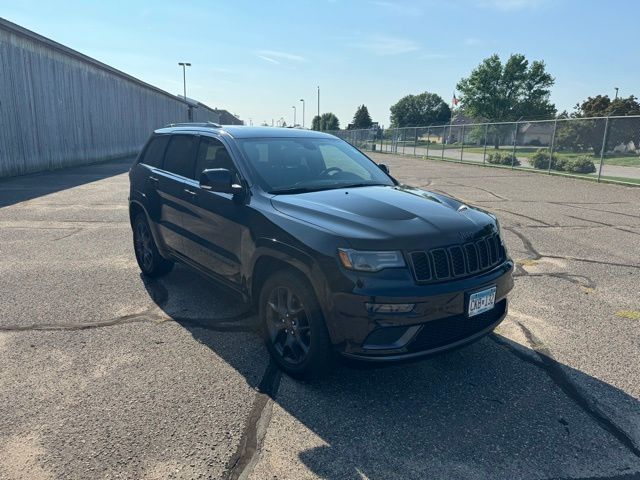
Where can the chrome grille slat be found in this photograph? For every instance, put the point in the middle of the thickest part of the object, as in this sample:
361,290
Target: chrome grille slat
456,261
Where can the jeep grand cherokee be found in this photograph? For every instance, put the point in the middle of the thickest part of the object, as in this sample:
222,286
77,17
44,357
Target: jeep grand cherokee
335,253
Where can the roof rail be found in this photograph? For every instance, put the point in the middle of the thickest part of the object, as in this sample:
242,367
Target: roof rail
194,124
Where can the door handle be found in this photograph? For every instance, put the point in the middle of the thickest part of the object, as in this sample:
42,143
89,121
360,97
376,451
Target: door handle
190,192
154,179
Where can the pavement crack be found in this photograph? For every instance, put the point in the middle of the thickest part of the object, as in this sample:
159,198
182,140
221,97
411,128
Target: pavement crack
535,255
589,260
569,277
615,227
528,246
151,315
244,459
591,209
554,371
75,230
533,219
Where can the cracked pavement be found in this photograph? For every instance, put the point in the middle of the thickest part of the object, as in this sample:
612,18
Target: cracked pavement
105,375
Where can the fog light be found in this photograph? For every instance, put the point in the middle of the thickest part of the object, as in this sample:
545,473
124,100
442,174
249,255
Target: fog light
390,307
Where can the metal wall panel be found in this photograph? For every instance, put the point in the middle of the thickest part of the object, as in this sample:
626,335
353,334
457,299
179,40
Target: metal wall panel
60,108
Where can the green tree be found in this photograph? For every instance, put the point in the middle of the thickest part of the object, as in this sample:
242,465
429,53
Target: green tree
507,92
588,134
420,110
315,123
328,121
362,119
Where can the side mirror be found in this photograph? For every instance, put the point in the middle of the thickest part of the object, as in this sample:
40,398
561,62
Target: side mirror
384,168
219,180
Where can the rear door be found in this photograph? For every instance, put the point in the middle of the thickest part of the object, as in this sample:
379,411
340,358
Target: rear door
215,221
172,187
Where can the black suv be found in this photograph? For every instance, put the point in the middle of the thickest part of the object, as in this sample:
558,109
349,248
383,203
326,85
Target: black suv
333,251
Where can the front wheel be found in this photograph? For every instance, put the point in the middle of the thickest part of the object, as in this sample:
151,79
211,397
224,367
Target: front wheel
293,325
151,263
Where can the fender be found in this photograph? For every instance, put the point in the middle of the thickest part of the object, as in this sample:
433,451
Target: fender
157,238
297,258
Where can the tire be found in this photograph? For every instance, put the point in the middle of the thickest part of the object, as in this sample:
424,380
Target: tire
151,263
291,325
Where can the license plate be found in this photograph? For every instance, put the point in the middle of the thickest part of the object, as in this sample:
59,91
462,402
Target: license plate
482,301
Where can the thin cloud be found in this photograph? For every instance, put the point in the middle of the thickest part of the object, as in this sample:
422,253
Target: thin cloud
269,59
279,56
435,56
397,8
383,45
511,5
472,41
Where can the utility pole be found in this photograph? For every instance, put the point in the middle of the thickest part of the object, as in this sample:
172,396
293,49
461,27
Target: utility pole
318,101
302,100
294,115
616,93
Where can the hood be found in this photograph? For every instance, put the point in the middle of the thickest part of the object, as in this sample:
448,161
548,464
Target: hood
393,217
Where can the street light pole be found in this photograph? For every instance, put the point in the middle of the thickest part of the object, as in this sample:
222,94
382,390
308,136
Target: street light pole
184,66
294,115
616,93
318,101
302,100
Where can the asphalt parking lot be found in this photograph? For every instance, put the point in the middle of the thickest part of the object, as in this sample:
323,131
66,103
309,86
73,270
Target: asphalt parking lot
106,375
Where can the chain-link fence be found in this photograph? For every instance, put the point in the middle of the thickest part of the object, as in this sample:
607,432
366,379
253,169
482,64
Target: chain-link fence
602,148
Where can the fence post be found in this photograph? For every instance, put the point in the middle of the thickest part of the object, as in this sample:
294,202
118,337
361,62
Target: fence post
428,139
444,131
604,146
462,142
484,151
415,142
515,139
404,139
553,141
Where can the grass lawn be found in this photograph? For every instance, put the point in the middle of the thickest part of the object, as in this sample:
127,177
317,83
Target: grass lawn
526,152
587,176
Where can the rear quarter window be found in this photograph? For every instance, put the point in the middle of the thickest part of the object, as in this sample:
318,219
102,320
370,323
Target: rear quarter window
154,151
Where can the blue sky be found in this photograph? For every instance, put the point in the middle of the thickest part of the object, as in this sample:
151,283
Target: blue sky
258,58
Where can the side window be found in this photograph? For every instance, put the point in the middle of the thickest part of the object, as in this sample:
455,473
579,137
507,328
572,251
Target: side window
152,155
180,156
213,154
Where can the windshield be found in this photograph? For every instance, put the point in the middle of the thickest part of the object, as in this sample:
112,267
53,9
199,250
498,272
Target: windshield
296,165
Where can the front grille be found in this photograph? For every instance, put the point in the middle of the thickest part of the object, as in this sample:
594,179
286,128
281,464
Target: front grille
457,261
445,331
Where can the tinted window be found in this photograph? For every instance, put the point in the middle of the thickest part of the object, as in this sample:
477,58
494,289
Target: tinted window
213,154
152,155
282,164
180,156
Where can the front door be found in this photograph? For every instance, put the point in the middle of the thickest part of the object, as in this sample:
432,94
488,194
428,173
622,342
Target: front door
216,223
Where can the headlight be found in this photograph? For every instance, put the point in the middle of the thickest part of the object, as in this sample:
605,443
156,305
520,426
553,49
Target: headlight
368,261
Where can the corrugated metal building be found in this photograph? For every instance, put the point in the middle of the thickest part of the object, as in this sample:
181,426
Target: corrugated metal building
59,107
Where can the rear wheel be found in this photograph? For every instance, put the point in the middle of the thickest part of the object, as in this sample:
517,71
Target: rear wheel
151,263
293,325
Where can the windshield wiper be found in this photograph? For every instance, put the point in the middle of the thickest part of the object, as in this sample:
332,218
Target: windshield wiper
293,190
356,185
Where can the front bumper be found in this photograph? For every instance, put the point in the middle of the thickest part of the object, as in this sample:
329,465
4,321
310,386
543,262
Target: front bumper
438,322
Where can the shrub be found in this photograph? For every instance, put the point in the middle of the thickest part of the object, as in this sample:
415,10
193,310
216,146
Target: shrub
580,165
503,158
534,142
541,158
